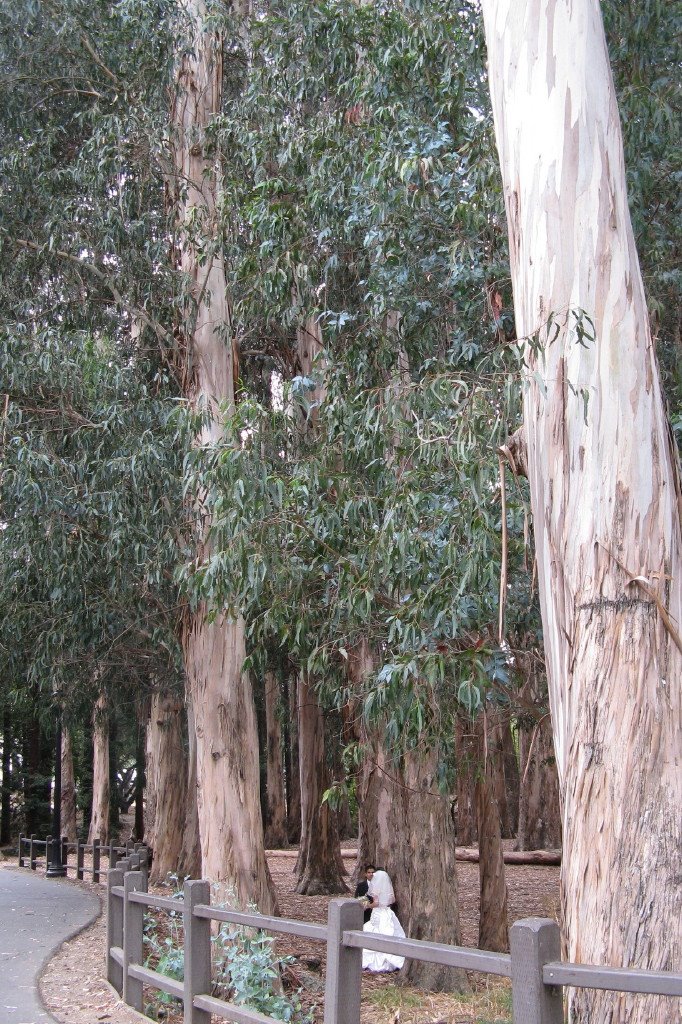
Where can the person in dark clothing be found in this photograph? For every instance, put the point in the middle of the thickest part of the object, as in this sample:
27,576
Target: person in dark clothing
362,886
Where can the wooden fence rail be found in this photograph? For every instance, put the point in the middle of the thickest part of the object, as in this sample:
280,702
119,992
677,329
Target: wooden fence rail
536,972
112,852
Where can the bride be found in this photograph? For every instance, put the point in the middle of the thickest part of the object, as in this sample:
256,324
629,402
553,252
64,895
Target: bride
383,922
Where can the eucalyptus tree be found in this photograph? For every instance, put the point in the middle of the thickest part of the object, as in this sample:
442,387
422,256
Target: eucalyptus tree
604,479
90,464
344,183
93,221
91,447
230,821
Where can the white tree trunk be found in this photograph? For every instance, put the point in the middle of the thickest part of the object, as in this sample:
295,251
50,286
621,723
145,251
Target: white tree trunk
230,824
99,821
604,493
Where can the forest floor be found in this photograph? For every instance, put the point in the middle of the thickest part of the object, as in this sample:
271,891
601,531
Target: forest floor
74,990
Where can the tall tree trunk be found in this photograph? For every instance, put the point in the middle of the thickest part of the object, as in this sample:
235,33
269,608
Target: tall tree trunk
293,778
275,808
492,920
228,799
230,823
150,780
140,771
99,820
114,787
539,802
465,782
37,769
503,772
68,802
539,798
319,867
190,855
165,725
6,805
407,829
604,484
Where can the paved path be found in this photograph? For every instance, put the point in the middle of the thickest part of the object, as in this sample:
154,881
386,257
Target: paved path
36,915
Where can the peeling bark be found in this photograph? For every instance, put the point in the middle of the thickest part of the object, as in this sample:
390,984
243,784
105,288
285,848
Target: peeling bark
319,868
407,829
165,726
99,819
603,480
228,799
492,920
68,787
190,854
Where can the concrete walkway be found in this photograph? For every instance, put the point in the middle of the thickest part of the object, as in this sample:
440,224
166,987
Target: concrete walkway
37,914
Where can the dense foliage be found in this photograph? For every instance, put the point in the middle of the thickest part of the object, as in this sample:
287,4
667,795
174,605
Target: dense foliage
359,190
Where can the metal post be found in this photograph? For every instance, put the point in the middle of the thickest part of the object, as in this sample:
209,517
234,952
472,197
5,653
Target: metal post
344,964
114,929
533,942
197,952
96,852
80,857
55,868
65,851
32,852
133,927
21,847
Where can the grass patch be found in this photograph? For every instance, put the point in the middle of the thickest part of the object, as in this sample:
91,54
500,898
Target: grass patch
489,1002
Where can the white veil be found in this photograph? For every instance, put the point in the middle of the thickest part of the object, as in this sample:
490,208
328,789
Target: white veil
381,889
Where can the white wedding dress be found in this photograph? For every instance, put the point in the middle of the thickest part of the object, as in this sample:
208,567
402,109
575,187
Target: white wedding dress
384,922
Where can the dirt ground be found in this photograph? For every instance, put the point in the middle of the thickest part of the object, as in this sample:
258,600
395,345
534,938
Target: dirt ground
74,989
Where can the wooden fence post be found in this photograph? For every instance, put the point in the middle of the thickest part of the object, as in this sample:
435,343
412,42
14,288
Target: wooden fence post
65,851
197,952
96,854
114,929
133,928
533,942
80,859
32,852
344,964
112,854
21,855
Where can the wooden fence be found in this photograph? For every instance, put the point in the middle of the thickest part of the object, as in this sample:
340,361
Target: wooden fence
534,966
39,851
